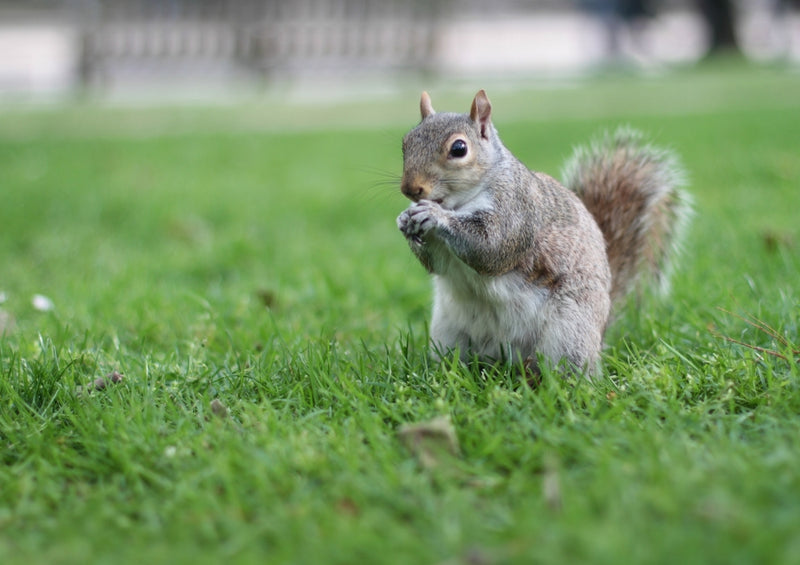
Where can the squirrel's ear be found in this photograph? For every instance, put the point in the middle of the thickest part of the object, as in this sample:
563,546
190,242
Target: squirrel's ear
425,106
481,112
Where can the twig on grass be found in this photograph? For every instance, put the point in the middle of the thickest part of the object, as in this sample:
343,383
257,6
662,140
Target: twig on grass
763,327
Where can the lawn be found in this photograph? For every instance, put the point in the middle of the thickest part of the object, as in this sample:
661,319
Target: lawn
240,267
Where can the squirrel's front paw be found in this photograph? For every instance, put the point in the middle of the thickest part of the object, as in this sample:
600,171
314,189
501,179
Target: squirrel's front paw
418,219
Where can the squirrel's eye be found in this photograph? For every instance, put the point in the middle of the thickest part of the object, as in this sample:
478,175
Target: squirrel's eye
458,149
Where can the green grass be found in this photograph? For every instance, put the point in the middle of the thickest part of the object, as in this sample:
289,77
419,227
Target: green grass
218,253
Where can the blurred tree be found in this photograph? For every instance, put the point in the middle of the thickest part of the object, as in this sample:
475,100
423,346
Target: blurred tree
721,21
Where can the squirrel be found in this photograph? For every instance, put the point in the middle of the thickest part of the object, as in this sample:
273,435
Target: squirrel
524,267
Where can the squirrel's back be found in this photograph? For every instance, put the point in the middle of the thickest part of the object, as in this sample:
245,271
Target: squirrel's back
634,191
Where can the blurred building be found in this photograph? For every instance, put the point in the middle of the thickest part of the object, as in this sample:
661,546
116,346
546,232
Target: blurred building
110,46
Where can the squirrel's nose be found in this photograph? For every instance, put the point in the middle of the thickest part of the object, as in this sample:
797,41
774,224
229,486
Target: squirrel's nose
413,191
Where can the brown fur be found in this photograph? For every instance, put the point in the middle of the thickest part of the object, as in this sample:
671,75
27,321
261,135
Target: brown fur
633,190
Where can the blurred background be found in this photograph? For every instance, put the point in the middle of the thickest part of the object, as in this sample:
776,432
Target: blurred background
54,50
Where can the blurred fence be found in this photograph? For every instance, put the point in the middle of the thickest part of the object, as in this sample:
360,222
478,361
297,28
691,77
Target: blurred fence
262,37
100,43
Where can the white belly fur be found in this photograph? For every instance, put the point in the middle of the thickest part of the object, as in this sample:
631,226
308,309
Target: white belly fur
498,317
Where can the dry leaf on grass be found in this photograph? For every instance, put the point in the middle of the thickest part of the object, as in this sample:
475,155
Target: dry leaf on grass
219,409
431,442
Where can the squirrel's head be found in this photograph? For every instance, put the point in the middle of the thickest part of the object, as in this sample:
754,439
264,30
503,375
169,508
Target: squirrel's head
446,156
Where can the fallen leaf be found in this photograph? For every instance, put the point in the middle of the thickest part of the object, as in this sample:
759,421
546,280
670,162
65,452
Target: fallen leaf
774,240
218,408
267,297
430,442
348,507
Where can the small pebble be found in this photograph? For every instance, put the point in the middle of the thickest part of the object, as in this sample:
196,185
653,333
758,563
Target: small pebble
100,383
114,377
42,303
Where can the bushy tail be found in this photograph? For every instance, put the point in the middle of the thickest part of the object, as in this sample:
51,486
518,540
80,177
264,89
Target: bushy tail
634,191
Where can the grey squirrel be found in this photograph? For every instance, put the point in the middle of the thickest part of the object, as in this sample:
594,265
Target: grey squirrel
523,266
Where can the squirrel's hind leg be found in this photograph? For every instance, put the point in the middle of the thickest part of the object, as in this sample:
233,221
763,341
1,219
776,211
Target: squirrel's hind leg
574,337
